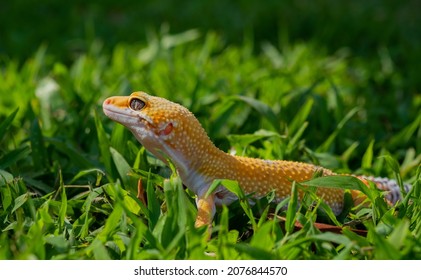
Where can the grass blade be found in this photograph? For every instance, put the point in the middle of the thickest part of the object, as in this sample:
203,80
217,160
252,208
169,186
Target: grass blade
367,160
263,109
123,169
336,181
4,125
301,116
14,156
5,177
329,141
292,209
39,151
104,148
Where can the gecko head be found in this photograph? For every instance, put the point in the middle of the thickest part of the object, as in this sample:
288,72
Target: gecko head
145,115
158,124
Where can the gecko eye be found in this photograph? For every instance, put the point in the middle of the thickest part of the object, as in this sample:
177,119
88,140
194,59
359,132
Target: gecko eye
137,104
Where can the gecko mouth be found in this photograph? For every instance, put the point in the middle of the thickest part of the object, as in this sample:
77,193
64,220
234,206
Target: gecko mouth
116,115
109,112
127,117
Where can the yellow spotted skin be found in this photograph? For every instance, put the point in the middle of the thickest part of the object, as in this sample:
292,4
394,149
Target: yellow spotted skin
171,132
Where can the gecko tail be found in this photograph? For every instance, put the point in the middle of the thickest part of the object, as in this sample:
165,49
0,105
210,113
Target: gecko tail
391,186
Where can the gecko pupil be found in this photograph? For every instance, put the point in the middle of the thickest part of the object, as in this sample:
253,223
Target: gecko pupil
137,104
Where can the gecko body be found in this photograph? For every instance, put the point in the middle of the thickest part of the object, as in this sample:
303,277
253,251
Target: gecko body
170,131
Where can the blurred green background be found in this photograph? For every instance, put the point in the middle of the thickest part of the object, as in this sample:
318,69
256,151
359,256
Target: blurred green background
366,53
363,26
345,54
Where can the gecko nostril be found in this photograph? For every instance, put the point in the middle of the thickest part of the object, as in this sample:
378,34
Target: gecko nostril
107,101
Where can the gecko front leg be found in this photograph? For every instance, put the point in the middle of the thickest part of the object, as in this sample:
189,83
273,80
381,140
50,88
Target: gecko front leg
205,210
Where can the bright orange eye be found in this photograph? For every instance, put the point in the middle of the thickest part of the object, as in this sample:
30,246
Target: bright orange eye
137,104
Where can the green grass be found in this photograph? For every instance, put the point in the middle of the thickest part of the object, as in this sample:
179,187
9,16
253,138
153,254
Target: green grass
69,175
